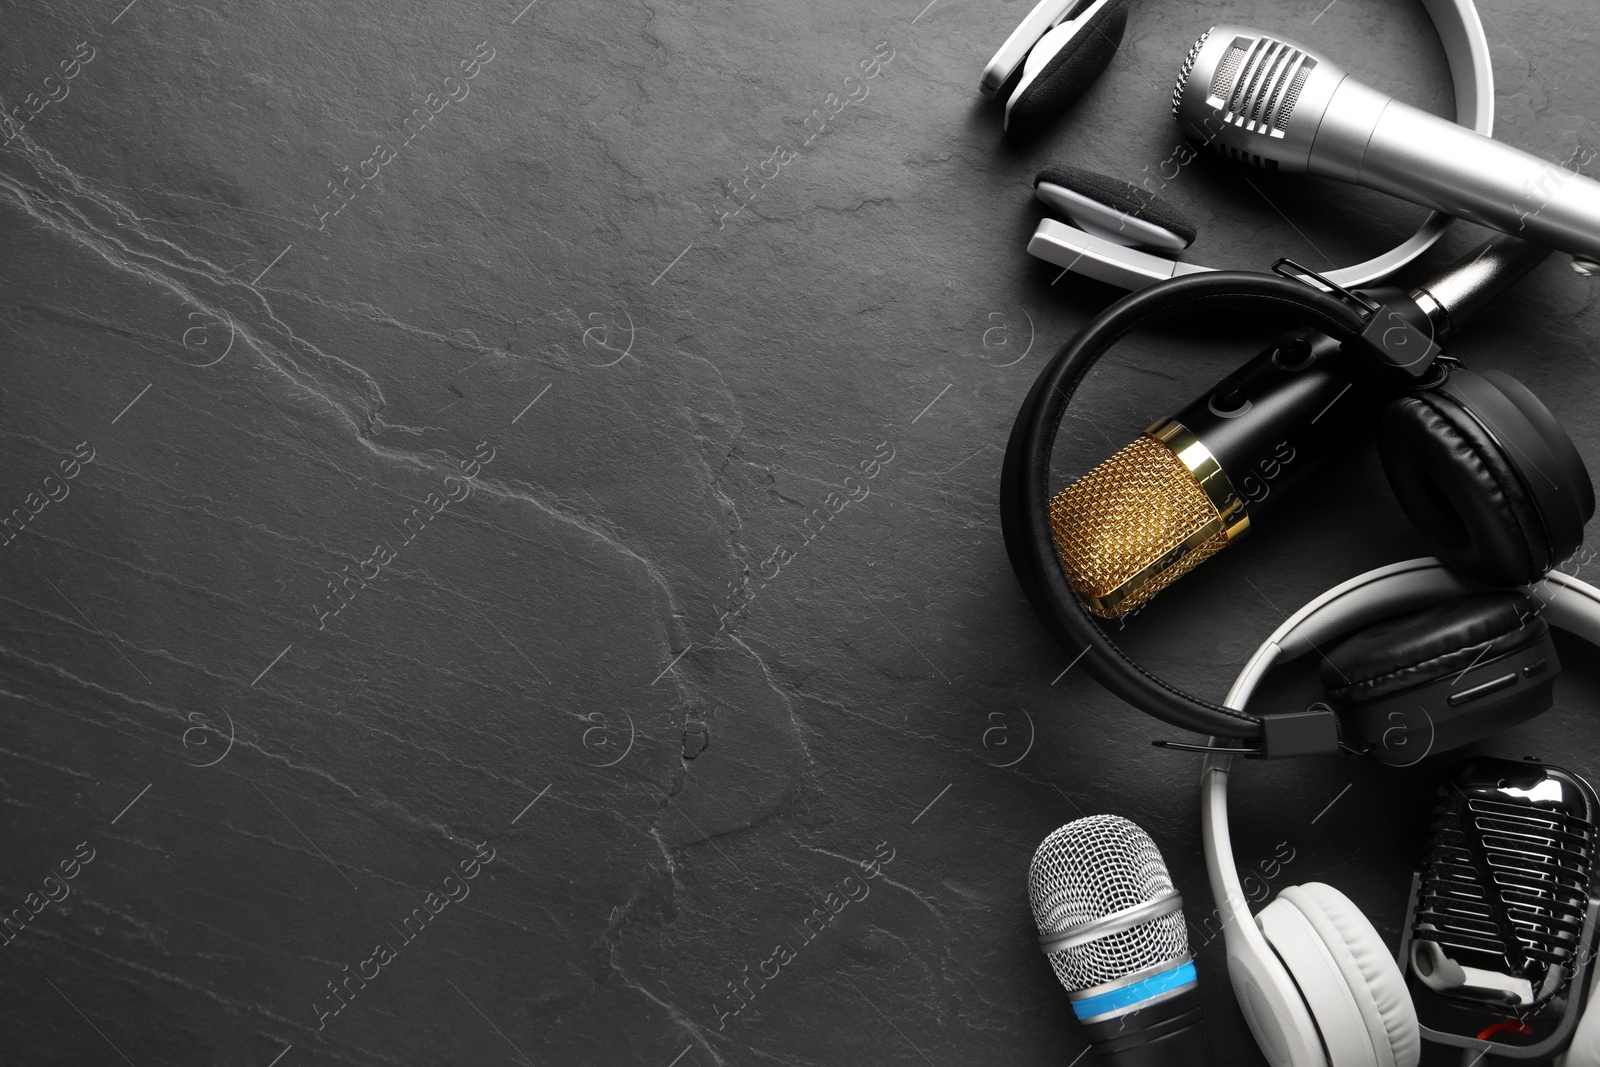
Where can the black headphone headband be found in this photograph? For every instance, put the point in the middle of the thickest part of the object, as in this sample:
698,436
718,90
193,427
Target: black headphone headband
1025,477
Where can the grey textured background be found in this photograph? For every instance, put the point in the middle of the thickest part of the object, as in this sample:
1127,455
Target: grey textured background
612,590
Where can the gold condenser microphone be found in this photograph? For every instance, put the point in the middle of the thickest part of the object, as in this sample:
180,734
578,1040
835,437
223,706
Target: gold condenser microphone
1192,484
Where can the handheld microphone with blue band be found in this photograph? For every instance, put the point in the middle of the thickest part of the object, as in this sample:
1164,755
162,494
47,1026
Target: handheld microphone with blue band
1111,923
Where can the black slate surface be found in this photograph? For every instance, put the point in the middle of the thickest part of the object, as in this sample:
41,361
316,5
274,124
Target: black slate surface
451,460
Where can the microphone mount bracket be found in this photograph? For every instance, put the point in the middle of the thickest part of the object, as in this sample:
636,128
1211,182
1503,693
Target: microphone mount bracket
1397,342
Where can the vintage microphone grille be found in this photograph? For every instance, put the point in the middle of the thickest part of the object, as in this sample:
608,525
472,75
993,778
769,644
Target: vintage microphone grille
1088,869
1123,518
1505,880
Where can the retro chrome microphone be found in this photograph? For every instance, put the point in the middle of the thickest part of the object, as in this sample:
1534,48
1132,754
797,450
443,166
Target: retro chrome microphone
1265,100
1501,924
1498,910
1111,922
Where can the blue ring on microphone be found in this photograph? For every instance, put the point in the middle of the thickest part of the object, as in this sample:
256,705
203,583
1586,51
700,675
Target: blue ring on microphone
1133,996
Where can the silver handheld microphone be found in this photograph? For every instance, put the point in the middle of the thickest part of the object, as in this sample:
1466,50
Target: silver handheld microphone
1111,923
1265,100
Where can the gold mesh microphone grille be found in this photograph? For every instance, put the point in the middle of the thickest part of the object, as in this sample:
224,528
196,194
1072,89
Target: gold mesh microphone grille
1143,519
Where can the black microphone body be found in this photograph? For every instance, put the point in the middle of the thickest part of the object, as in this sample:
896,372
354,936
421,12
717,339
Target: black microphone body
1170,1033
1273,421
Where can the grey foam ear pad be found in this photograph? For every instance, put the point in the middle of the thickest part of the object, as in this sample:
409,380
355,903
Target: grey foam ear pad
1120,196
1425,646
1068,73
1460,492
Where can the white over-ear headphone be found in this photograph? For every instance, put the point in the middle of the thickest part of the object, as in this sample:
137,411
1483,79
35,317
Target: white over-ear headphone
1112,252
1315,982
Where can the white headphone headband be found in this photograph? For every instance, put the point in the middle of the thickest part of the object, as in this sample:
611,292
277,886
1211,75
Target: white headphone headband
1472,76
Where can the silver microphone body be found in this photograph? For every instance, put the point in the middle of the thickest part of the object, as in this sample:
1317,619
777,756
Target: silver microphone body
1266,100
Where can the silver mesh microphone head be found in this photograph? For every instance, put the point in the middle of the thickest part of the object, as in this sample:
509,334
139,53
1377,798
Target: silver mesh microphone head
1097,867
1253,96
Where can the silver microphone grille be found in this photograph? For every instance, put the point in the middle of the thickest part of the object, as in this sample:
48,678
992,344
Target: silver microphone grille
1183,74
1089,869
1238,91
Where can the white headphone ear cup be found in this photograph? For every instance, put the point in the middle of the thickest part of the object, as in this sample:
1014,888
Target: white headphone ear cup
1274,1011
1323,987
1376,988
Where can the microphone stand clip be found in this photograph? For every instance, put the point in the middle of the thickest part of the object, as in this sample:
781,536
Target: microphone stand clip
1398,339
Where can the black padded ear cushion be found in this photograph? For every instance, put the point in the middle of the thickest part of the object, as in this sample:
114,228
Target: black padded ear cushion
1119,195
1568,479
1460,493
1425,646
1070,72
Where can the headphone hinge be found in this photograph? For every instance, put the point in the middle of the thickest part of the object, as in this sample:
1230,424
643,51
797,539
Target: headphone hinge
1311,732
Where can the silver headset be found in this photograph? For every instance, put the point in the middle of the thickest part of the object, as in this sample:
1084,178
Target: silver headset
1108,244
1315,982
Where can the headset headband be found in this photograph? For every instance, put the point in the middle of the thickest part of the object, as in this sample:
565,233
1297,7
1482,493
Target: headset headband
1472,76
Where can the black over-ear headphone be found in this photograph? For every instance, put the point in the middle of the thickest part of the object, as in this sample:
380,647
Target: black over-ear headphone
1480,466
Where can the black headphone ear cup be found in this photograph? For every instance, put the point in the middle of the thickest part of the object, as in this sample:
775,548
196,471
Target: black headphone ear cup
1425,646
1569,478
1067,75
1460,492
1440,678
